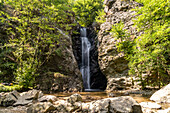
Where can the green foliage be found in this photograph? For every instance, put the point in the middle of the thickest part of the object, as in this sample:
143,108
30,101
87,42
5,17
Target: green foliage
33,33
148,54
4,88
100,18
86,11
124,42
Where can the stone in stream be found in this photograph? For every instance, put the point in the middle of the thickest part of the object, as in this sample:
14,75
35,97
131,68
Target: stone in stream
162,95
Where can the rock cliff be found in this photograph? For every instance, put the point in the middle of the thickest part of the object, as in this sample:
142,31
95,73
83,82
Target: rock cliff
112,62
63,74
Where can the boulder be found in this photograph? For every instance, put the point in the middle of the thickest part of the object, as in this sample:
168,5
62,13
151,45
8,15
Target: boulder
162,95
40,107
71,104
123,104
8,99
28,97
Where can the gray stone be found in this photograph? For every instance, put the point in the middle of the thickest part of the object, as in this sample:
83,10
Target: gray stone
48,98
40,107
32,94
22,101
28,97
162,95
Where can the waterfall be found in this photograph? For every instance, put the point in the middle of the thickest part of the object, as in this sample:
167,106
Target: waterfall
85,67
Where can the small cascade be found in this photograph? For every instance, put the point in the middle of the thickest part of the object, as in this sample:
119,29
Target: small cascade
85,67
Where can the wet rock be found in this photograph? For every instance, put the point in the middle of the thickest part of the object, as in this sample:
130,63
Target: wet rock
47,98
162,95
97,79
41,107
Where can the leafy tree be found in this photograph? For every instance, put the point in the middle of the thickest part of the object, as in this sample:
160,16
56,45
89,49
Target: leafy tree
34,30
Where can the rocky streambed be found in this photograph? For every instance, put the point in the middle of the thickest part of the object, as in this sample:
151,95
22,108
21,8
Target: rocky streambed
134,101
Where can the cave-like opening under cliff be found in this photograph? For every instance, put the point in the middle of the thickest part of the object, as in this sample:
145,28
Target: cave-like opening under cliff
97,78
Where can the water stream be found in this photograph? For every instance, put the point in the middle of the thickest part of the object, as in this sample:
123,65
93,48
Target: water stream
85,67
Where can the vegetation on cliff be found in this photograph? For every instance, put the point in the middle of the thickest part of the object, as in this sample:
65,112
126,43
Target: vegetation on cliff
148,54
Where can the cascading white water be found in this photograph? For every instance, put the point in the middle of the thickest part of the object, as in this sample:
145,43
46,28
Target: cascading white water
85,68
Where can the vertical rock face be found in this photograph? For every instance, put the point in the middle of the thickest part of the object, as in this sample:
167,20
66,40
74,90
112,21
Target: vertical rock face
64,73
112,62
